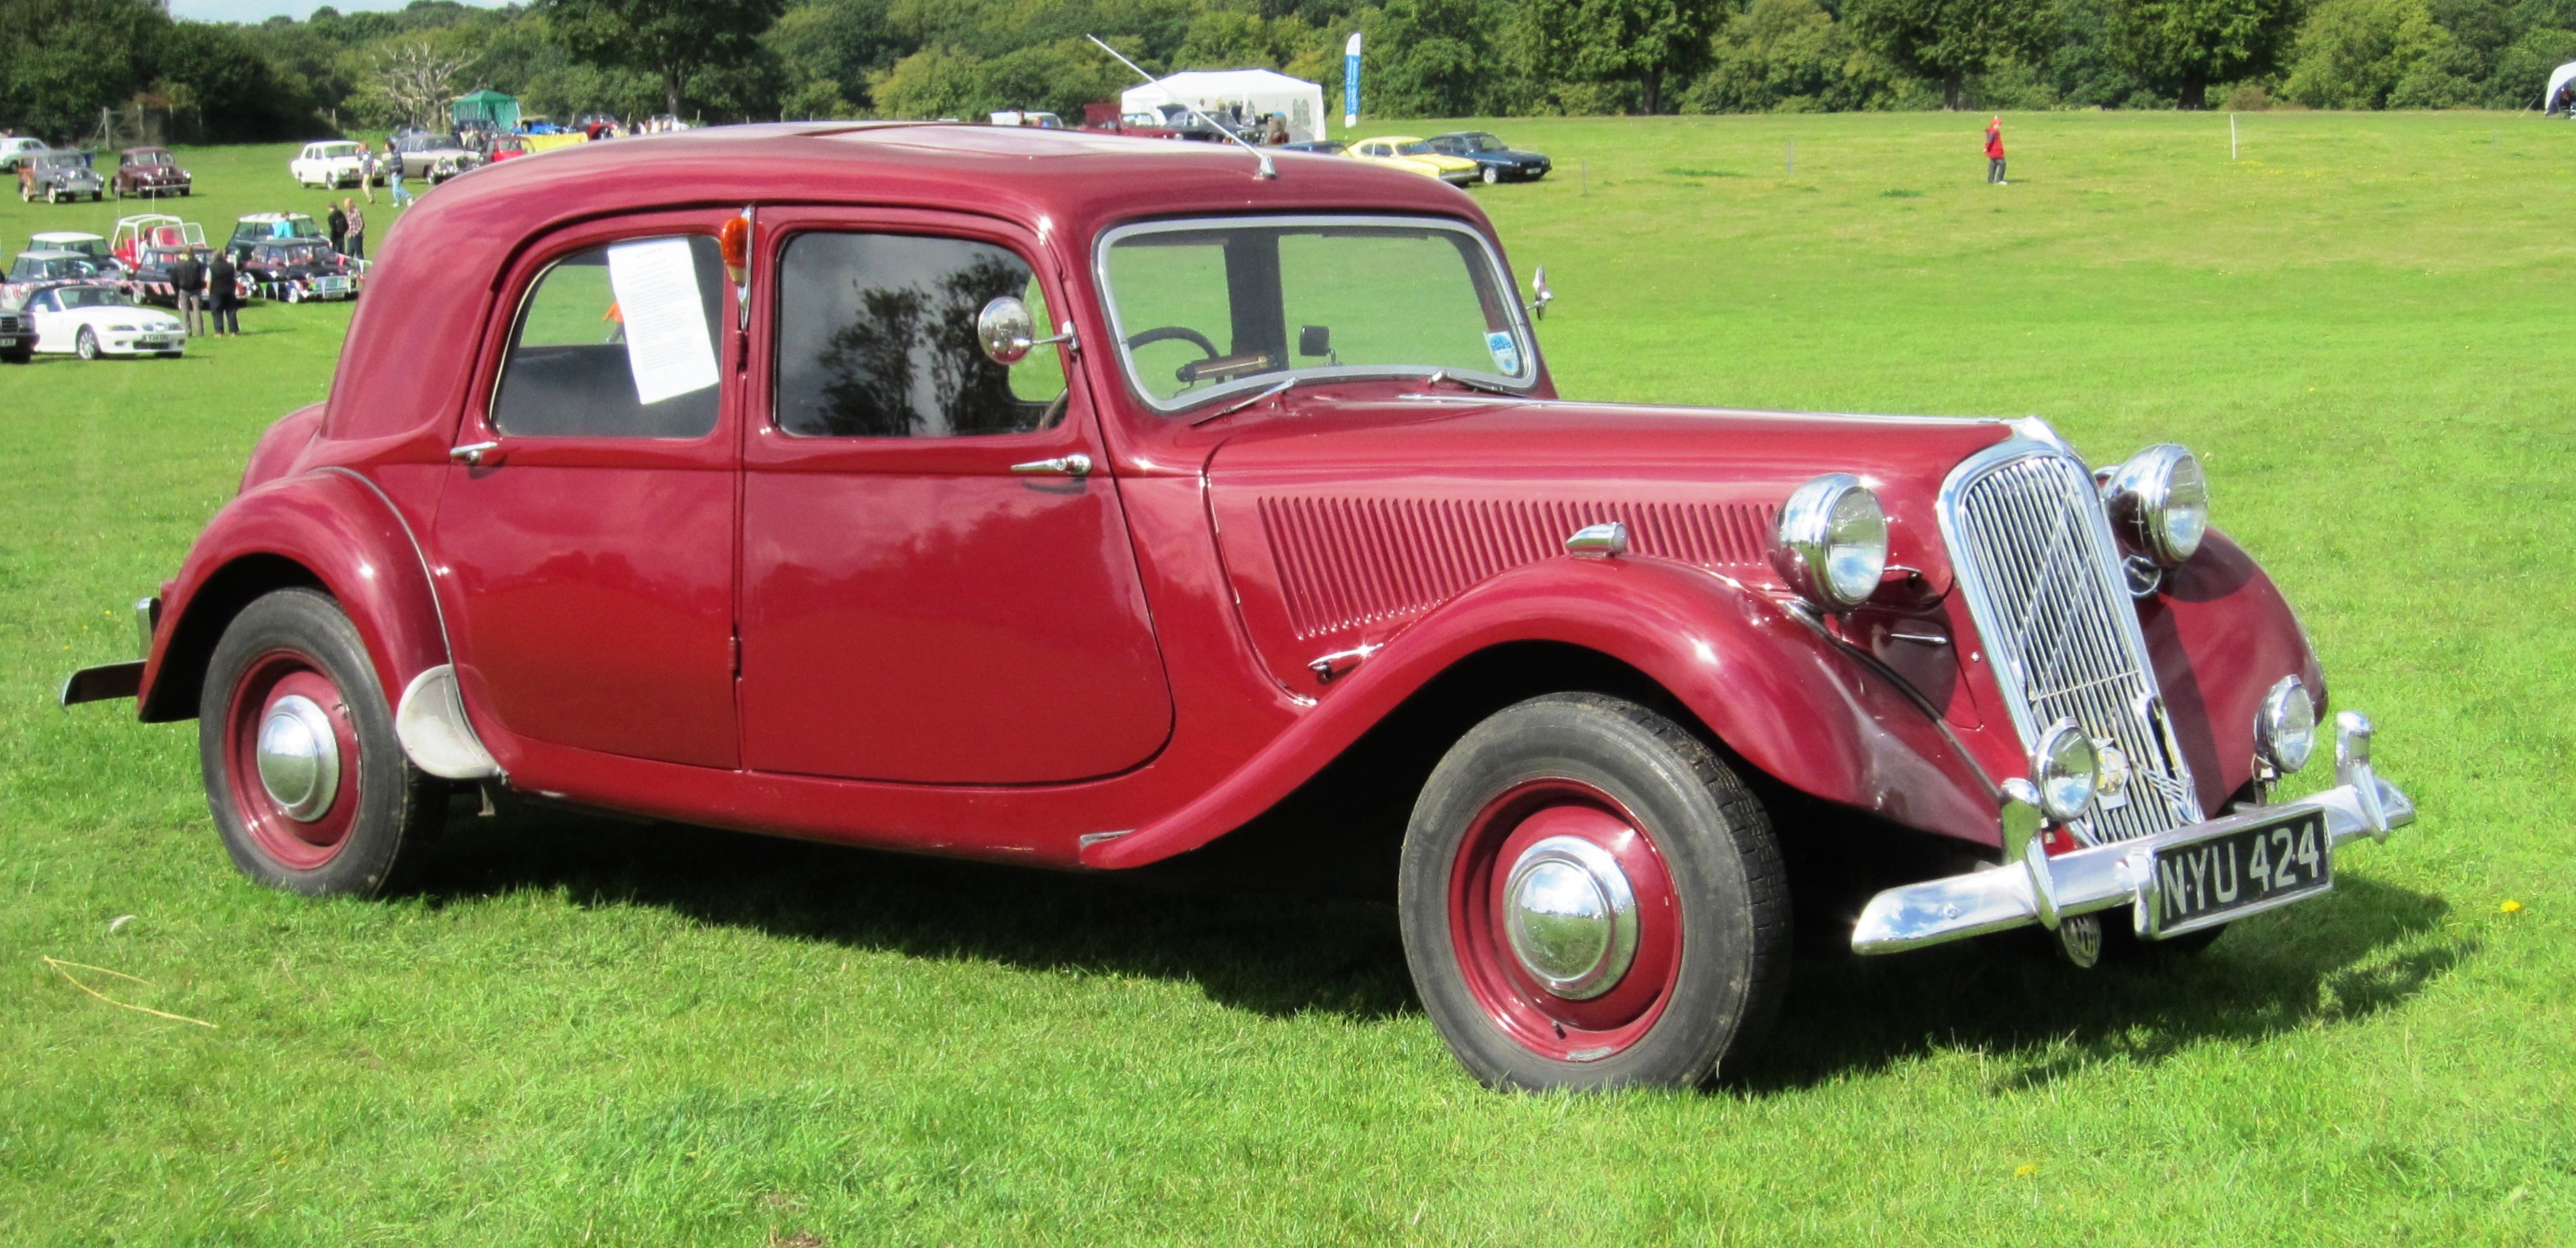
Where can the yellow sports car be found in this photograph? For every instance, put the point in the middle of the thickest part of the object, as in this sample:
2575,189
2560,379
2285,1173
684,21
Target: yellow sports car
1414,156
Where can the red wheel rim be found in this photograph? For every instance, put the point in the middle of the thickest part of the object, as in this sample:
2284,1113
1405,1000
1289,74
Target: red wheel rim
1553,1026
293,843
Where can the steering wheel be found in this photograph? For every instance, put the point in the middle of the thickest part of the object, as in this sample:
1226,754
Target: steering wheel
1171,333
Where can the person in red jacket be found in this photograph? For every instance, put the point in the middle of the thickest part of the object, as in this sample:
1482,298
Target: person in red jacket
1995,152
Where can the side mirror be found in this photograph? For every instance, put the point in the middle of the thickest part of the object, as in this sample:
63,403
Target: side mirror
1008,333
1540,294
1315,340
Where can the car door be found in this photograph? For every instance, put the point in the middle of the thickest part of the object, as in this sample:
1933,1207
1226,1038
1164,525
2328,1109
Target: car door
937,580
54,328
588,523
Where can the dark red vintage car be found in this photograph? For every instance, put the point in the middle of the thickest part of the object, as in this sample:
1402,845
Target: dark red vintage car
1091,502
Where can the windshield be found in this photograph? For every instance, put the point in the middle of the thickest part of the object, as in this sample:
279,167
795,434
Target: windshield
62,160
294,255
1418,147
92,297
92,247
1205,308
1479,142
290,227
151,158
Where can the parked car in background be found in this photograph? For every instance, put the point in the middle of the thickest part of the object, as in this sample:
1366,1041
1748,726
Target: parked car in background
148,245
94,319
1035,120
1414,156
17,333
270,227
150,171
18,147
33,267
1494,161
1190,516
78,243
329,165
298,271
1105,116
1320,147
507,146
423,151
57,174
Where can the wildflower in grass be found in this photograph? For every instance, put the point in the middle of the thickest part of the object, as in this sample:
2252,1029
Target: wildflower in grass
2025,1170
2510,906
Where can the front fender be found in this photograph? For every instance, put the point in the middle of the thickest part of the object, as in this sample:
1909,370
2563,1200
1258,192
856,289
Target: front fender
2222,636
331,529
1772,687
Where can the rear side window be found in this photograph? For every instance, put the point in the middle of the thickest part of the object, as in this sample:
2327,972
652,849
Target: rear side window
876,339
617,342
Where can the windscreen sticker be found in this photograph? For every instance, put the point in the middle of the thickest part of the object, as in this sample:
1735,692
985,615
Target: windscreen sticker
1507,354
668,348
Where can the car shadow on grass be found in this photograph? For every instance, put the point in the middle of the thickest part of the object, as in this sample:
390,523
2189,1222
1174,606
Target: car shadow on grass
2365,948
1271,954
1276,954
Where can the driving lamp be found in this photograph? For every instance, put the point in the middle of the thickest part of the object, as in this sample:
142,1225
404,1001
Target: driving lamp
2285,729
2159,503
2066,769
1831,543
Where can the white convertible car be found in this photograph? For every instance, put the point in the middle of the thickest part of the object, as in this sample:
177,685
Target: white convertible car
91,320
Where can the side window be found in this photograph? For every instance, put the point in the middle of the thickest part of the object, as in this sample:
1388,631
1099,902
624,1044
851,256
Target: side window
617,342
876,339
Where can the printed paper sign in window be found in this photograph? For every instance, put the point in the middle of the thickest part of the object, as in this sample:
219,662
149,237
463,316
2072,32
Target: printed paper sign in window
668,347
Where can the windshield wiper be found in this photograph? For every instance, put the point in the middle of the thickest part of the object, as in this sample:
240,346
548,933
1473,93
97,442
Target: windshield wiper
1231,408
1473,384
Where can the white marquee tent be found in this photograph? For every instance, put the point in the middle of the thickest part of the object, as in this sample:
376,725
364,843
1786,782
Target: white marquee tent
2557,78
1257,92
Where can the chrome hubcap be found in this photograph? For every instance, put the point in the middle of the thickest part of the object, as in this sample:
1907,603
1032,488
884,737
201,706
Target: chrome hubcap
299,758
1570,917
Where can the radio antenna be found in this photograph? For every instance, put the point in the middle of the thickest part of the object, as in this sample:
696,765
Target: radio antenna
1266,170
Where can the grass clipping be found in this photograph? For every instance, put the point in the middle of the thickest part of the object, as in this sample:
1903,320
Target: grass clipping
65,970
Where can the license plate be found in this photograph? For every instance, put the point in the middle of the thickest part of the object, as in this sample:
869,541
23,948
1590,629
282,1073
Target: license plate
2237,873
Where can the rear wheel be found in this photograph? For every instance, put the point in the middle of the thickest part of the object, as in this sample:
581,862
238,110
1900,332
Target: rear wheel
310,790
1592,899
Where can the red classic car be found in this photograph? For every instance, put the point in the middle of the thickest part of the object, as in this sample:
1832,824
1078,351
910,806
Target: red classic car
1090,502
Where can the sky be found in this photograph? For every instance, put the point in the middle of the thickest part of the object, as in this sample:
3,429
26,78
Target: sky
262,10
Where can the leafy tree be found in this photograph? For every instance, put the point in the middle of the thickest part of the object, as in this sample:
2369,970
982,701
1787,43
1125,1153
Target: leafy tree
1786,56
1947,40
827,51
217,73
673,40
63,60
1431,58
2185,45
1644,42
934,82
2371,54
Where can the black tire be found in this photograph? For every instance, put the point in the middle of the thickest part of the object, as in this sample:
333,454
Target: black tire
1726,907
395,810
18,357
86,345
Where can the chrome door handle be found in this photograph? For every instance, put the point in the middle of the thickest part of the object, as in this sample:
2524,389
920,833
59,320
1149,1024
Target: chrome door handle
1074,465
472,452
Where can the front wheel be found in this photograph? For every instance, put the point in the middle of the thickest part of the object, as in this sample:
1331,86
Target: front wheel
310,790
1493,175
86,344
1591,899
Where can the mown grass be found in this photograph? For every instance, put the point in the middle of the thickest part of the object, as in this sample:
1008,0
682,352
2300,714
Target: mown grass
585,1030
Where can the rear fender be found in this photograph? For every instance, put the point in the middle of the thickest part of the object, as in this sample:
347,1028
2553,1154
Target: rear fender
1771,686
330,530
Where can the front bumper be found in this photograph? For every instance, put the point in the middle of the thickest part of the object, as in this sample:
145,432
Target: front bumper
2032,887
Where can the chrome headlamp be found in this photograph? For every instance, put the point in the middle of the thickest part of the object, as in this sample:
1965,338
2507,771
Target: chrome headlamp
2066,769
2159,503
2285,729
1831,543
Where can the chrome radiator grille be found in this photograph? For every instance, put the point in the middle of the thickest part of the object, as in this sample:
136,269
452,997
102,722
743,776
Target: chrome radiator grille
2041,572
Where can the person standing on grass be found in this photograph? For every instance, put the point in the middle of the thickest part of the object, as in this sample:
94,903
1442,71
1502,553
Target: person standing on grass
223,295
188,282
393,176
338,224
1995,152
357,231
367,172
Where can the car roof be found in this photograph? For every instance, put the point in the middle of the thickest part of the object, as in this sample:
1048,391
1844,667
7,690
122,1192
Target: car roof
147,151
52,253
59,235
265,218
1393,138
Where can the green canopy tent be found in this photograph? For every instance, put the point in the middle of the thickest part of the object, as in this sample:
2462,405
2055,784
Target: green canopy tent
499,111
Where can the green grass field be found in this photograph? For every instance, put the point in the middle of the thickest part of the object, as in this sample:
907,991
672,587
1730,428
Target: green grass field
584,1031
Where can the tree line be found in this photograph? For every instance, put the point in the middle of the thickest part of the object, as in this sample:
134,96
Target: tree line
64,61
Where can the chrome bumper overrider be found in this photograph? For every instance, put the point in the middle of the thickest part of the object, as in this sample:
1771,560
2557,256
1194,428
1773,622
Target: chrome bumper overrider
2031,887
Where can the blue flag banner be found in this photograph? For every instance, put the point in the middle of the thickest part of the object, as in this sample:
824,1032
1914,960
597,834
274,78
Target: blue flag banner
1351,82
